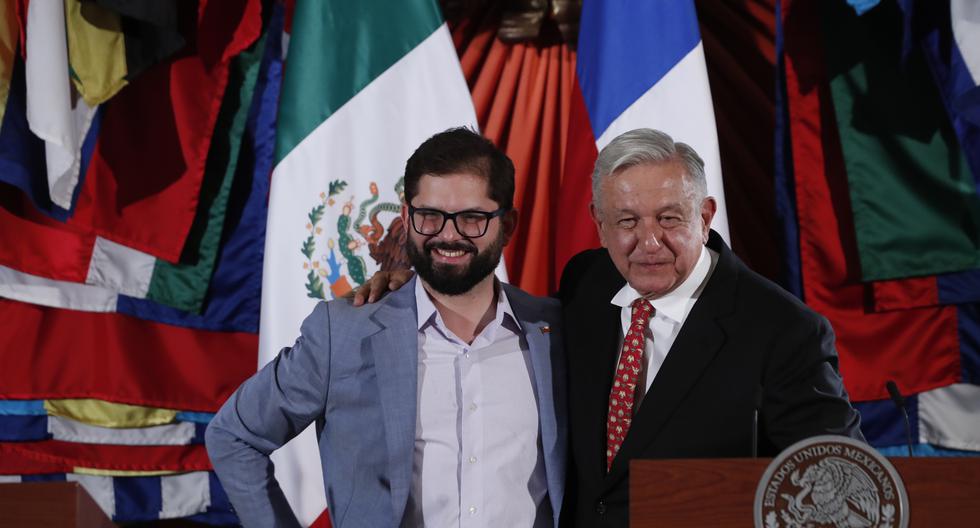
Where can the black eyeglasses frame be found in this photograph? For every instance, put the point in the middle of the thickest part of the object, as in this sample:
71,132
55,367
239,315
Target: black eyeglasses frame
489,215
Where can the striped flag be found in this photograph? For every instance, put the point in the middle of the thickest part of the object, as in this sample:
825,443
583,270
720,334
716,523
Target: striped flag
365,84
137,463
143,459
640,64
942,422
907,330
115,269
196,495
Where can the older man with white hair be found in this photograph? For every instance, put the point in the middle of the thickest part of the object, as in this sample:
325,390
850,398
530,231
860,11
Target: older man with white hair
673,343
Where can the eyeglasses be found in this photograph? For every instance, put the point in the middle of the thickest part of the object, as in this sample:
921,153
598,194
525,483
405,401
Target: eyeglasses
470,224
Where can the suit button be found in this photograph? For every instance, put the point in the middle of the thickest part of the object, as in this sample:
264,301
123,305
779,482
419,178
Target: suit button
600,507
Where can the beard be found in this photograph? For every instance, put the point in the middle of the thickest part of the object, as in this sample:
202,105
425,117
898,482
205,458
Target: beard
454,280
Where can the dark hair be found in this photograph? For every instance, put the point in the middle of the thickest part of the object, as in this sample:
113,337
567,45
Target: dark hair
461,150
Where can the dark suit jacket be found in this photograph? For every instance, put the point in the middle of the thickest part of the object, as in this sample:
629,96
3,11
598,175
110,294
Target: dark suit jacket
743,338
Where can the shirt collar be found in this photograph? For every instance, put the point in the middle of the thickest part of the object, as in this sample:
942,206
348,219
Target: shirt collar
676,304
429,315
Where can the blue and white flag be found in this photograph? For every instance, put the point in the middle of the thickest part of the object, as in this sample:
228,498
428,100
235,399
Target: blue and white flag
640,65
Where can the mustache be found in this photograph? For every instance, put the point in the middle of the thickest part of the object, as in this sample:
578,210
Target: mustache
450,246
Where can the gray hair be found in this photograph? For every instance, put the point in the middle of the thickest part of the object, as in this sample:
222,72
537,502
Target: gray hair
645,145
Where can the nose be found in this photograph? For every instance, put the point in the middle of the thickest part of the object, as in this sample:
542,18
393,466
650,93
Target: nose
650,235
449,231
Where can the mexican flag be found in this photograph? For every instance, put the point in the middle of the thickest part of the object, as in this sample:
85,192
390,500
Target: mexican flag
365,83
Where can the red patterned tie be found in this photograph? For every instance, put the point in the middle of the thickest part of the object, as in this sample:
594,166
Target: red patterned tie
624,383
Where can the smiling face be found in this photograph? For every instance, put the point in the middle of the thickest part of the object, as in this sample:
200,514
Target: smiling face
654,225
448,262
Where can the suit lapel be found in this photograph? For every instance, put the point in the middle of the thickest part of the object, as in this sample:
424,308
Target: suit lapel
395,349
537,332
539,348
545,347
604,348
592,329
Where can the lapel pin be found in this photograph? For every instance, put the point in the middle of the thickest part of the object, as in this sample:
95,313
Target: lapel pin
545,329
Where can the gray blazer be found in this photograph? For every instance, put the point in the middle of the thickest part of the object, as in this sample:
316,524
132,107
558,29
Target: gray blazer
354,371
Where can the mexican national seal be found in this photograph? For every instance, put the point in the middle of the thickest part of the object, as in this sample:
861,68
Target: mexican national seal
834,482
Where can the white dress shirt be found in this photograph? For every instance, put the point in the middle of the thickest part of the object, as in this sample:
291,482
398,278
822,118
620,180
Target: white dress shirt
478,459
671,311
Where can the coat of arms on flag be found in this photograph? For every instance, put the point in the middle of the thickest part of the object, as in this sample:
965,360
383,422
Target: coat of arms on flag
355,225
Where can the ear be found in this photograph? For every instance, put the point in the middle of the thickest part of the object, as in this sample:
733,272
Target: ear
508,222
708,209
404,215
594,213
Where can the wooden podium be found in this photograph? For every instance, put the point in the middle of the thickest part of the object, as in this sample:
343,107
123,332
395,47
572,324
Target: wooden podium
721,492
49,504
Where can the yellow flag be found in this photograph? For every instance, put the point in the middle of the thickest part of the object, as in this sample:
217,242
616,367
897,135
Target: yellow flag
121,473
9,33
107,414
96,50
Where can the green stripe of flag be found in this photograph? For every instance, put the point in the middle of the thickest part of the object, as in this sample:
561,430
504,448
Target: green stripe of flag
184,285
328,80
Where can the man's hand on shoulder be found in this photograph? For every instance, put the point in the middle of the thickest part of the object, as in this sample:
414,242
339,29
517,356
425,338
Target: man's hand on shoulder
379,285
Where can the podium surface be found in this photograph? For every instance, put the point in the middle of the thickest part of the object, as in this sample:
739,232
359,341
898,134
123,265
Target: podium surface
721,492
54,504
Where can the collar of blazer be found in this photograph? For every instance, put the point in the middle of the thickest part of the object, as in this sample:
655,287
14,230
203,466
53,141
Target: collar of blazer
391,309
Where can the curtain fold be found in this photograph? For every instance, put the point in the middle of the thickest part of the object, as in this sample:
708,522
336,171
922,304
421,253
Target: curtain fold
522,95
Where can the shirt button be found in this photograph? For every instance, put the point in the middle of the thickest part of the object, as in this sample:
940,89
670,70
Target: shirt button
600,507
472,460
472,510
472,406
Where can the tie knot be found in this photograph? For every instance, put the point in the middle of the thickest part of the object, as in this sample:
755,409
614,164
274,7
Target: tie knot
642,310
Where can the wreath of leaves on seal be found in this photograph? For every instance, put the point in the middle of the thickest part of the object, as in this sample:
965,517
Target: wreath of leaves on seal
314,286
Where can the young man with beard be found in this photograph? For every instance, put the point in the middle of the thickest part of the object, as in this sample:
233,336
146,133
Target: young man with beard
441,404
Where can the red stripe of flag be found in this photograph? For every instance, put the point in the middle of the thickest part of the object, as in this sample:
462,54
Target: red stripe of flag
54,353
576,230
905,293
18,462
55,456
39,249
